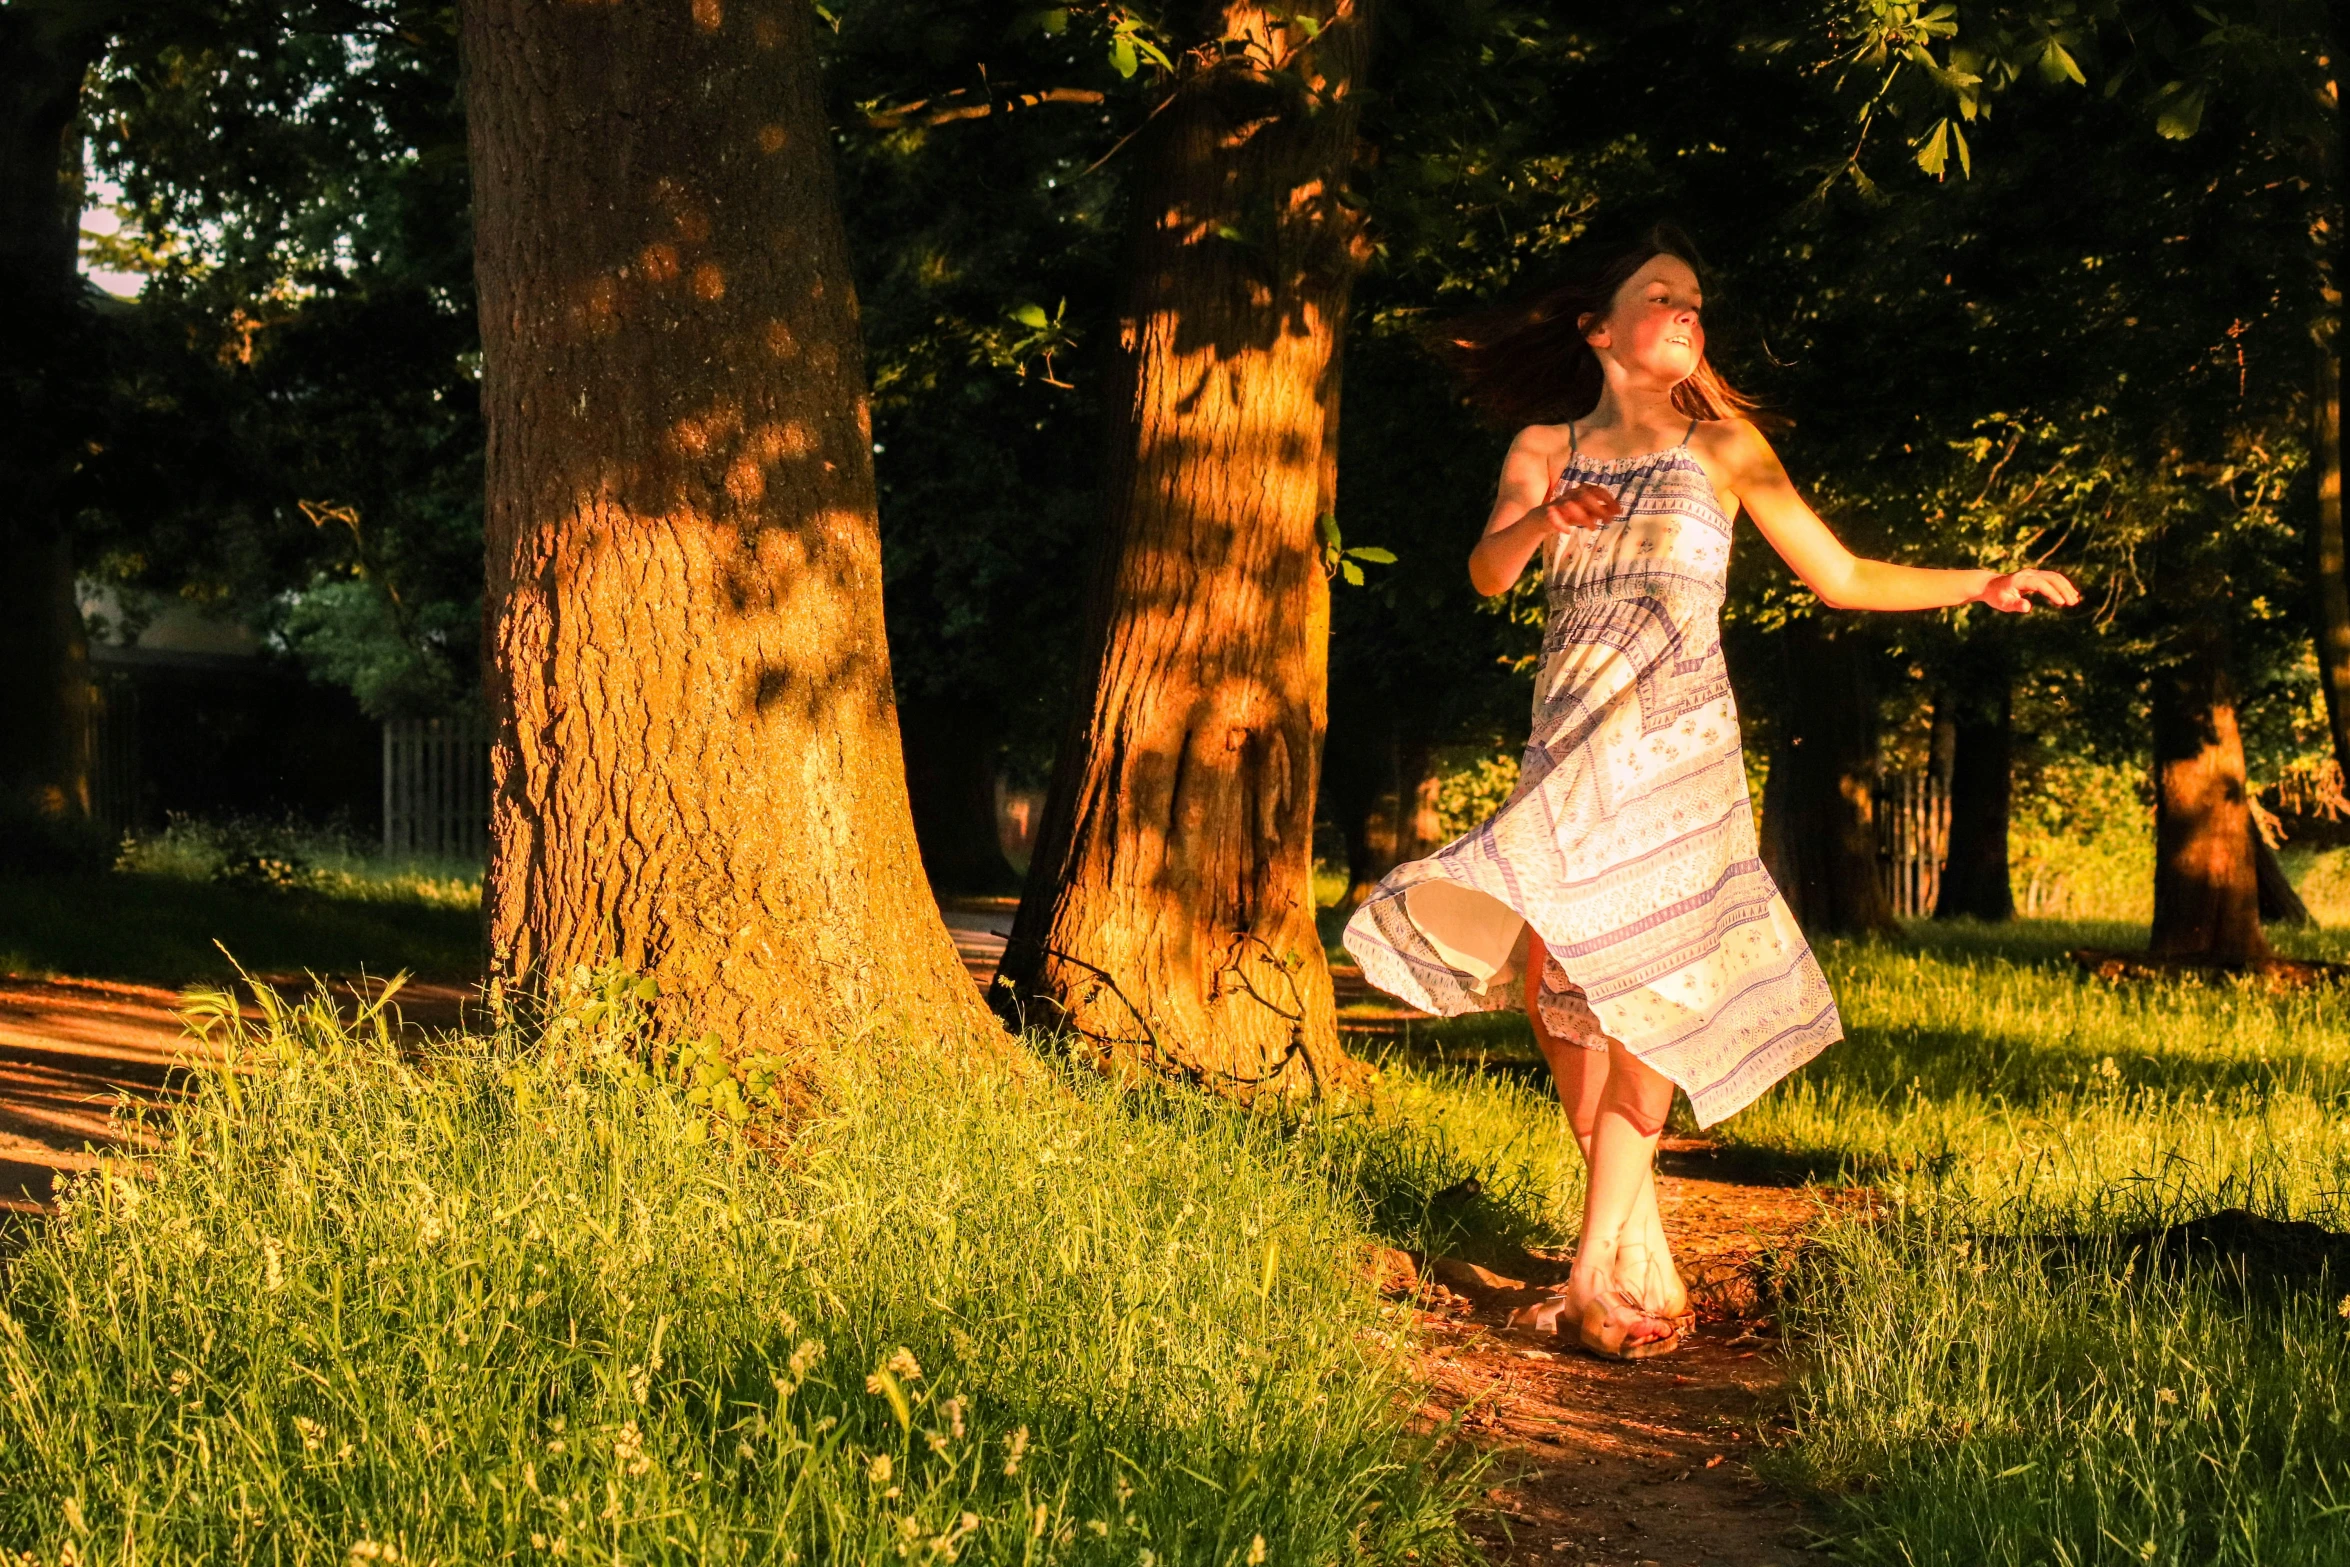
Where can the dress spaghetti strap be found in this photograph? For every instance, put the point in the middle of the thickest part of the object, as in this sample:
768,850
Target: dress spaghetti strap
1685,434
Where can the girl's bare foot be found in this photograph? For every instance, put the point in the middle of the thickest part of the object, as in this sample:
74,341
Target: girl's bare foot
1659,1283
1610,1323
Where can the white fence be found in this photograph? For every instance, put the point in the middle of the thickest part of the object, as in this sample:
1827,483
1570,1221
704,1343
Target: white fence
1913,840
437,788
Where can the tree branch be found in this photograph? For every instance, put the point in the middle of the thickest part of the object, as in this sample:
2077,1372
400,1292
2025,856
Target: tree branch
959,105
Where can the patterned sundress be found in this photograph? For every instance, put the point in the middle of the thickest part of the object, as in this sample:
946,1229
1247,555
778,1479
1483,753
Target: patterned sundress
1629,842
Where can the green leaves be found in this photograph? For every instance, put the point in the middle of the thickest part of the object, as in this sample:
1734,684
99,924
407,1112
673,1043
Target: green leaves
1045,337
2178,110
1934,149
1339,561
1130,46
2057,63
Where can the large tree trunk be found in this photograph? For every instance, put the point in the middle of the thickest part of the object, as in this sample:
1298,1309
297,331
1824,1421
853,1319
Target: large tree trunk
45,753
1975,882
696,767
1168,915
2206,884
1819,831
951,765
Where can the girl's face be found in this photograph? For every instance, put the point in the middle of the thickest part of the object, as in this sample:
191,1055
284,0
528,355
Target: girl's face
1653,328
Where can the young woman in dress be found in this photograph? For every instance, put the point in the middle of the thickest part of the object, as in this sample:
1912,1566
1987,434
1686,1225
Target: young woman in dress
1618,896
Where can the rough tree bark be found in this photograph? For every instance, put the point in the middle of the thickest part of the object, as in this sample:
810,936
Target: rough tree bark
1975,882
45,759
1168,915
2206,881
697,769
1819,831
950,779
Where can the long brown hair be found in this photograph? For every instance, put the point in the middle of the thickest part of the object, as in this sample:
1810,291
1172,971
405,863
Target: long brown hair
1526,362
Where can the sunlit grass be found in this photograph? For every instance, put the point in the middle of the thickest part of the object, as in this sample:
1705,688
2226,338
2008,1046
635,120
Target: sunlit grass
1974,1389
500,1303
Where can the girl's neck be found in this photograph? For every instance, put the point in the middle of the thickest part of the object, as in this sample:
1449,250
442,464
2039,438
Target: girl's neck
1638,412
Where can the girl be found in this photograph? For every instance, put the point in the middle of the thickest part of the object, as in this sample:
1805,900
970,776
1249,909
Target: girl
1617,896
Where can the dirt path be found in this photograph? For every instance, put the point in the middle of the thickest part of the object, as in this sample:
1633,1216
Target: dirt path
1598,1462
74,1051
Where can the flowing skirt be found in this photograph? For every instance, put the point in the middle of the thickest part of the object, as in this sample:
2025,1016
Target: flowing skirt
1629,847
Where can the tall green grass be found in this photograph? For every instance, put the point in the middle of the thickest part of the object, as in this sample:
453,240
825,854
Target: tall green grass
507,1302
1988,1374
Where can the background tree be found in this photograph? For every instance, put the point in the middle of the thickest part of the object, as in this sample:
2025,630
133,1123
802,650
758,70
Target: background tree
45,52
696,767
2232,97
292,426
983,223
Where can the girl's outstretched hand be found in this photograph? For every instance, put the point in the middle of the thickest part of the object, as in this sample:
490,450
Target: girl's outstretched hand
2011,592
1580,506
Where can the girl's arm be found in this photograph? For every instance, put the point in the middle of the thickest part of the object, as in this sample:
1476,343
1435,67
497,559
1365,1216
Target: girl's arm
1519,521
1842,579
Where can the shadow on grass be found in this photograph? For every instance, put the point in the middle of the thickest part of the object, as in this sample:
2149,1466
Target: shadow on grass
160,930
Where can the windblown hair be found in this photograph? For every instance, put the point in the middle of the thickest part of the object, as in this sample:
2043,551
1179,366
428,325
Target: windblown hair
1526,362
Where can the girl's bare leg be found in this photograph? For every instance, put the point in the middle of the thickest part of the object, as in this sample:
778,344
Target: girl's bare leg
1613,1252
1582,1079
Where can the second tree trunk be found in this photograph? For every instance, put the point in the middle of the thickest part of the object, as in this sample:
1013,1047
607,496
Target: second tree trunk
1168,916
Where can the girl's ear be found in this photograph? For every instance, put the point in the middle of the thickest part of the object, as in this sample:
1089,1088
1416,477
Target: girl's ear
1593,328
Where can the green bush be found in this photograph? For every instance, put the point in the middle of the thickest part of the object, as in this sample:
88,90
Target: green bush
2081,842
293,854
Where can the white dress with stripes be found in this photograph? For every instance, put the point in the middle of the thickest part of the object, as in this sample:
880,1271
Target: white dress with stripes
1629,843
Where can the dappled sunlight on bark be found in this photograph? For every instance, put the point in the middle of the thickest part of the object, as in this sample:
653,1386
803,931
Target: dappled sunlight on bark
697,767
1168,915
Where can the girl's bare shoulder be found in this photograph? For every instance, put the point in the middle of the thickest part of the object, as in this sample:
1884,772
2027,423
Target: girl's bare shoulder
1543,439
1731,444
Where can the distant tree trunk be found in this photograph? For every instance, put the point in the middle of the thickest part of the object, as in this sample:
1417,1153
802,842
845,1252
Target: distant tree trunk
2330,563
1359,791
1974,879
45,754
2329,560
696,766
1419,829
2206,881
2280,904
1168,915
1819,817
951,759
